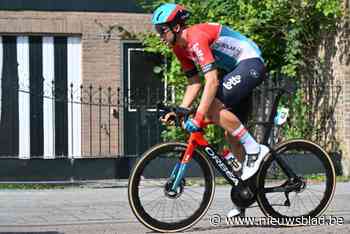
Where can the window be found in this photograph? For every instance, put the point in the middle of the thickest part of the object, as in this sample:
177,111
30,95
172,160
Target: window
35,117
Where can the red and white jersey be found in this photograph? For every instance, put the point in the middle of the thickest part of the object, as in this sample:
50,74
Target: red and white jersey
212,45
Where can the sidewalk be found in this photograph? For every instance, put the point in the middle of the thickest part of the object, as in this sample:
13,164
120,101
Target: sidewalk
104,201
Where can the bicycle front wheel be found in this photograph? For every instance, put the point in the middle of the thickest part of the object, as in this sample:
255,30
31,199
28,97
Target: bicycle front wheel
306,195
154,204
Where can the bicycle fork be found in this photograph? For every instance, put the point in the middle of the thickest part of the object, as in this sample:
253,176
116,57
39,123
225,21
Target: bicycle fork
180,168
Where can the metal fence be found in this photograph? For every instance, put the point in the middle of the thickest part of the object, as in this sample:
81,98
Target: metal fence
314,117
107,114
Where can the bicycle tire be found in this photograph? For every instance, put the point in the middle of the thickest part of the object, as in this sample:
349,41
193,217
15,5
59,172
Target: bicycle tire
134,181
326,161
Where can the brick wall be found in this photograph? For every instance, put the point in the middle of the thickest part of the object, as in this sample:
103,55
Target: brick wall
101,60
341,68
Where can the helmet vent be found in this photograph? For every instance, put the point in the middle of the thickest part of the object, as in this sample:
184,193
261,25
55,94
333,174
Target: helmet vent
159,15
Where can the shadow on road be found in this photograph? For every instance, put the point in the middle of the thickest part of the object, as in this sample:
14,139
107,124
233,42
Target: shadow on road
31,232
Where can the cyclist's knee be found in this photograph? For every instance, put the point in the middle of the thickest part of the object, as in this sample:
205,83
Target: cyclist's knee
211,118
213,115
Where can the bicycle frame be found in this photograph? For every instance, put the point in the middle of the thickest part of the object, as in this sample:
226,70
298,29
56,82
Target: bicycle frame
268,128
197,140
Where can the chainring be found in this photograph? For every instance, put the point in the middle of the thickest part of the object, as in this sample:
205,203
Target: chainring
244,194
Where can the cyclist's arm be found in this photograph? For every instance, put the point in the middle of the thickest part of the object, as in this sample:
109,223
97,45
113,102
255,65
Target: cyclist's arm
205,58
209,92
190,70
192,90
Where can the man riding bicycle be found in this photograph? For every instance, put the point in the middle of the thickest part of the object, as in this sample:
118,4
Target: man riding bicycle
225,99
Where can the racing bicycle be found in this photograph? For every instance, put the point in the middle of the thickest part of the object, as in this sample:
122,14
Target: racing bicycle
172,185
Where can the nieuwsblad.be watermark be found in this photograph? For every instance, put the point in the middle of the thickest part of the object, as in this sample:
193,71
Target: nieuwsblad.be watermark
217,219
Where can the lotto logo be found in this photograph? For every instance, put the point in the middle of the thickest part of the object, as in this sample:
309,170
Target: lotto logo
199,53
233,81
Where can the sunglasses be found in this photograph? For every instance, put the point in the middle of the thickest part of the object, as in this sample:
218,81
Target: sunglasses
162,29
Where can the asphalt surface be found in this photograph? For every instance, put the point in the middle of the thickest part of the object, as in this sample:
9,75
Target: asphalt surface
104,208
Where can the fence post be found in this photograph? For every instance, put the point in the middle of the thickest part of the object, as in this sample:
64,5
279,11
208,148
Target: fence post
118,124
109,120
90,105
99,119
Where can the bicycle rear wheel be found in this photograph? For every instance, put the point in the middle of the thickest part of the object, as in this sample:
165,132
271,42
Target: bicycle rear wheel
307,195
149,196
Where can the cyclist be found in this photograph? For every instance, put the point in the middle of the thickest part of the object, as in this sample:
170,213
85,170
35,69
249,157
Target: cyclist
213,48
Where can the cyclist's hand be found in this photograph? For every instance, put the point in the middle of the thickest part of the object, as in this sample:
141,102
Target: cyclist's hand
168,118
191,125
195,124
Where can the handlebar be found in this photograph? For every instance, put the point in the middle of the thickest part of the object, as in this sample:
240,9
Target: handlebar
180,112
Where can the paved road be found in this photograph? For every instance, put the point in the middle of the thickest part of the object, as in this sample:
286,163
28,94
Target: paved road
103,208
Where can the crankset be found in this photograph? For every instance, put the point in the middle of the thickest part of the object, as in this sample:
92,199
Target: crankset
244,194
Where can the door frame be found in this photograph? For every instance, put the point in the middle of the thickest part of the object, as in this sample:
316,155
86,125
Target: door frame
125,97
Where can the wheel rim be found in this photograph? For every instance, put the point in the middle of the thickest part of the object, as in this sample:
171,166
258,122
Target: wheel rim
313,193
155,206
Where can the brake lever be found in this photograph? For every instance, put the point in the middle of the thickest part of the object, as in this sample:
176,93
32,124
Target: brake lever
162,108
183,113
180,112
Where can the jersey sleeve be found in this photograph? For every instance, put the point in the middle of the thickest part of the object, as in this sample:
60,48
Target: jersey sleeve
200,46
187,64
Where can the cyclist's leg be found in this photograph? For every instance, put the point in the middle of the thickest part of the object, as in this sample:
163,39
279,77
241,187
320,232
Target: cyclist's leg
233,92
220,116
234,87
223,117
217,113
242,111
235,147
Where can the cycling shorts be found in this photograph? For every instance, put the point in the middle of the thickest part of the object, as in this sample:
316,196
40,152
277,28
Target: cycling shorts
235,89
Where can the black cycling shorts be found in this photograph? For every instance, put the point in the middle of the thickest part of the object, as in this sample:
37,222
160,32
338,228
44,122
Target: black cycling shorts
236,87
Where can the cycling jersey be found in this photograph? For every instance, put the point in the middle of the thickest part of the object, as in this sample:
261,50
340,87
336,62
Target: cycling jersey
212,45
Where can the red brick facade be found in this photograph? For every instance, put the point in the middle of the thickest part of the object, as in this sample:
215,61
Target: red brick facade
102,59
101,56
341,68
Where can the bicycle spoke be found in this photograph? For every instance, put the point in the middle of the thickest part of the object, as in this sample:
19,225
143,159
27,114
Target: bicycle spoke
302,200
313,196
148,193
154,206
178,208
191,197
163,216
309,163
193,191
153,201
294,201
158,207
315,190
301,203
187,203
184,210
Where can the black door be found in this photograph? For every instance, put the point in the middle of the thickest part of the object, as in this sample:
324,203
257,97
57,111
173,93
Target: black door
143,88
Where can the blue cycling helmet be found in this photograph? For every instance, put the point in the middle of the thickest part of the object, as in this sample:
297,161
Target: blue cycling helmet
170,14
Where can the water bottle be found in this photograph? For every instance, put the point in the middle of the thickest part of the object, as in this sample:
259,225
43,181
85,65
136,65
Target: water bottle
232,160
281,116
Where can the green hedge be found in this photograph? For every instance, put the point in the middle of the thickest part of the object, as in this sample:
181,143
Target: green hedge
288,32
